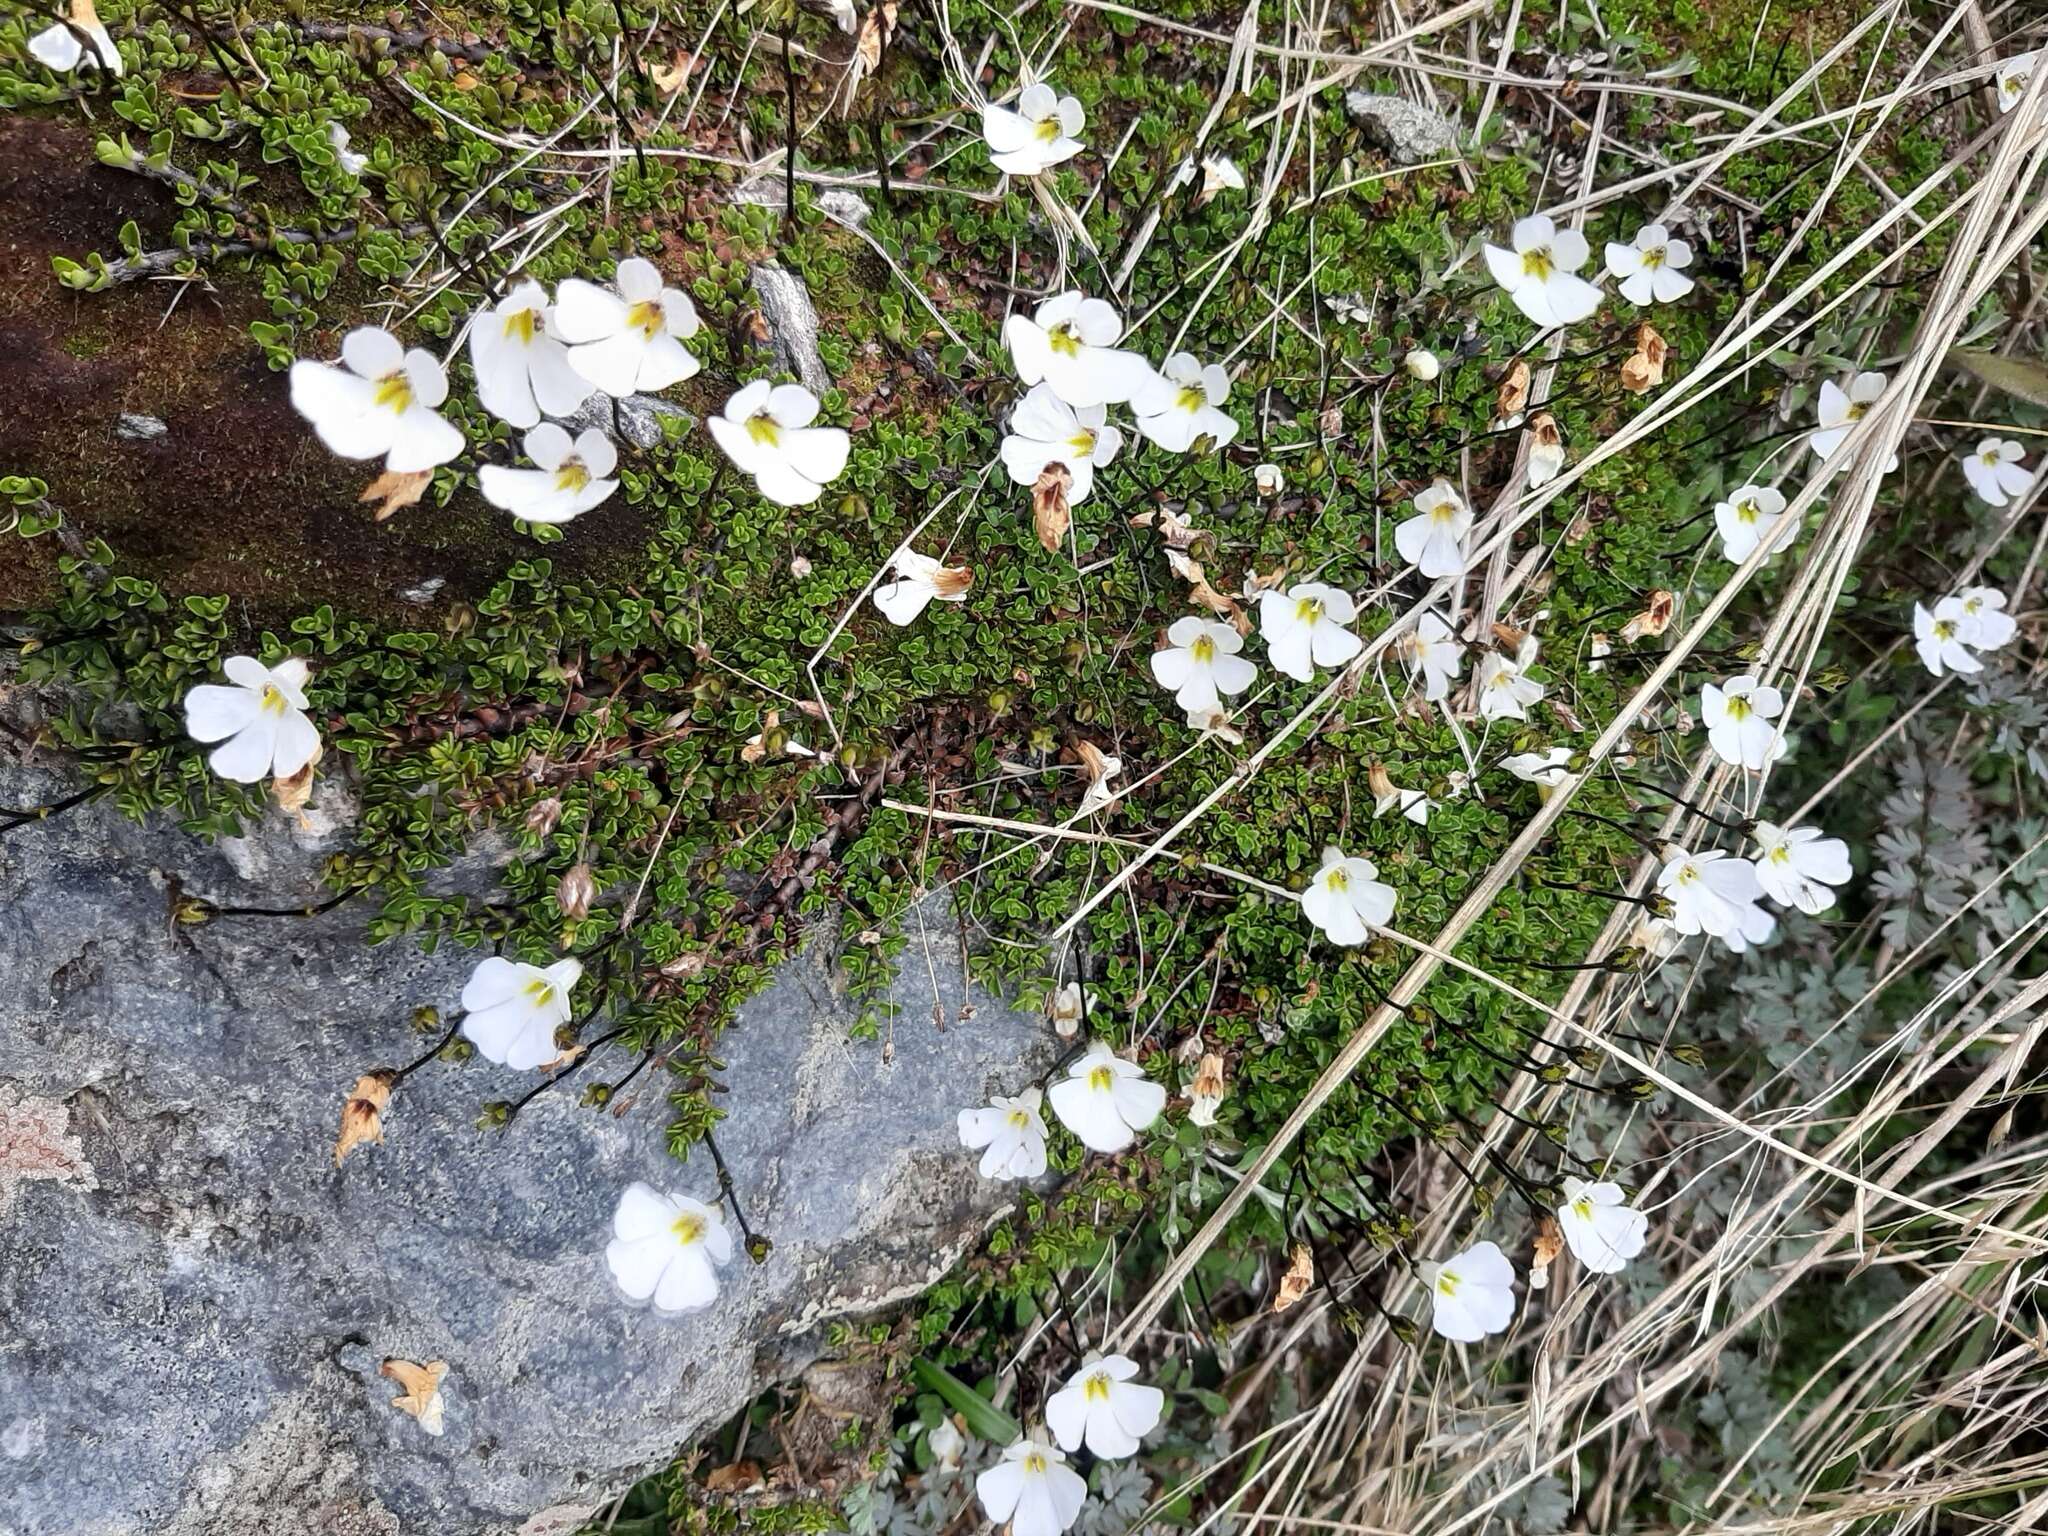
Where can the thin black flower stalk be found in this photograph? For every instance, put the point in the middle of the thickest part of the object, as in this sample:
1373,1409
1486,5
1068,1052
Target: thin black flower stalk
1066,1313
511,1110
32,815
1651,904
598,1095
789,135
426,1017
631,50
1541,1198
197,909
1648,843
1739,828
758,1246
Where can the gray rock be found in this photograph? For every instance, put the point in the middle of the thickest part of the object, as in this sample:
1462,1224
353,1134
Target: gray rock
637,418
136,428
195,1303
792,324
427,590
1410,133
845,205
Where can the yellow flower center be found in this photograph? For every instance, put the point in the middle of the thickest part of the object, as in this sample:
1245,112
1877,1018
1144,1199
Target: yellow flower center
1989,458
1856,410
572,476
1782,854
763,428
1748,511
1192,397
394,393
1537,263
1444,512
1203,649
688,1228
1096,1388
1048,130
1654,256
540,991
1446,1283
1688,874
1944,629
1101,1079
521,325
1738,708
1082,443
646,317
1338,879
1034,1463
1583,1208
274,701
1061,338
1019,1120
1308,611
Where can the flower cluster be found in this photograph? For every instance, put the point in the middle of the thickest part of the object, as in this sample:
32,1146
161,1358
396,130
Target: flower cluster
1104,1100
1539,269
1103,1406
1715,893
1950,637
1472,1295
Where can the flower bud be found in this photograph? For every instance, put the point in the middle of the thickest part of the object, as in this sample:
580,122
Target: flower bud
426,1017
1422,365
496,1114
575,891
545,815
1269,480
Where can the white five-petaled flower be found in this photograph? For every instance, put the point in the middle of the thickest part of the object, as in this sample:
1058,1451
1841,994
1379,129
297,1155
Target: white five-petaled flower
629,337
258,717
382,403
666,1249
1798,867
1651,267
919,580
1545,769
1471,1294
1839,411
1199,662
1986,624
1104,1405
1505,689
570,481
1942,638
1106,1100
766,430
1739,716
2013,77
1346,898
60,49
1070,343
513,1010
1433,540
1181,403
523,372
1431,649
1038,135
1304,628
1044,430
1745,516
1068,1009
1995,472
1600,1227
1012,1130
1539,272
1033,1489
1711,893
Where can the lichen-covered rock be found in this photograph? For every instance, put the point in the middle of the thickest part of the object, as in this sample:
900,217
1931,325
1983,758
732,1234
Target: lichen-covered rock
194,1301
792,324
1409,133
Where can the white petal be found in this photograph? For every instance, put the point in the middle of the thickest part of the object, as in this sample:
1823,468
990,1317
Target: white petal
372,352
246,756
214,713
584,312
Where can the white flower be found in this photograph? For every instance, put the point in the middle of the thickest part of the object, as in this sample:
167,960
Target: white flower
1346,899
259,719
1840,410
346,158
1709,892
1044,430
1743,517
1600,1227
1038,135
1537,273
1471,1294
1267,479
1103,1405
1798,867
1219,174
1422,365
522,371
946,1444
1413,804
1070,343
1179,404
1033,1489
1650,267
1014,1133
1106,1100
920,579
1304,628
1067,1008
383,402
766,430
1433,540
1986,624
1995,472
666,1249
1546,770
570,481
1753,924
59,48
630,339
1546,451
514,1009
1215,721
2013,76
1942,638
1738,717
1429,648
1506,690
1199,662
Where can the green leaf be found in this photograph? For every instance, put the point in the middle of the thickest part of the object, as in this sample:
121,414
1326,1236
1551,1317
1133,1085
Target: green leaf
984,1418
2023,377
